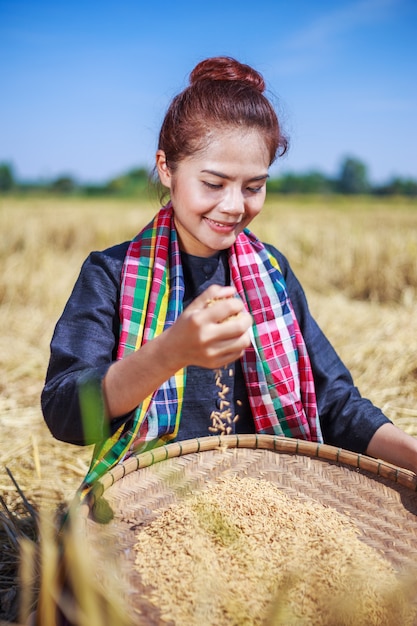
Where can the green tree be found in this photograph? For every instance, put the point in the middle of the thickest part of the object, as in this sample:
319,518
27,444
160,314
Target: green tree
133,183
6,177
64,185
353,178
311,182
399,187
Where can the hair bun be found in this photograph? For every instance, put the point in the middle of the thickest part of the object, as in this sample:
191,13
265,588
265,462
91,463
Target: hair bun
227,68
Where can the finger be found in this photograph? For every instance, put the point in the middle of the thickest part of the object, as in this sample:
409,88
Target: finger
228,354
224,309
212,293
233,345
219,291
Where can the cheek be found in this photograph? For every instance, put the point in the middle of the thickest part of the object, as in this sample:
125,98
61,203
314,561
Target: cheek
185,195
256,206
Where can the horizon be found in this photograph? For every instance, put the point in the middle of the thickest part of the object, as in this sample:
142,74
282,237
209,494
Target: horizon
87,85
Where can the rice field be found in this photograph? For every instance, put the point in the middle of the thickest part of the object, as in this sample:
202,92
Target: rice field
356,258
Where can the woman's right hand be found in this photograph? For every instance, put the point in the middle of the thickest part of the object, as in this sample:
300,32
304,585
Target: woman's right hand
213,330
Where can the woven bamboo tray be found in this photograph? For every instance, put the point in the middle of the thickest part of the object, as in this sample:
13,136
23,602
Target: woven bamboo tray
380,498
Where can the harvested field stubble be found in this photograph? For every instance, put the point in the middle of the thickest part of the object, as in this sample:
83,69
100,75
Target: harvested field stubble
355,257
364,248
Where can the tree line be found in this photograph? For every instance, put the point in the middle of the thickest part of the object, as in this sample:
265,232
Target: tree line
352,179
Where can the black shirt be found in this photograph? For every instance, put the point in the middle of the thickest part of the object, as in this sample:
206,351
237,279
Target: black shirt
85,340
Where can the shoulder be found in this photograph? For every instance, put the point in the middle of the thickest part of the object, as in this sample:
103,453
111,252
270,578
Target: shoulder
99,276
294,288
113,256
108,261
281,258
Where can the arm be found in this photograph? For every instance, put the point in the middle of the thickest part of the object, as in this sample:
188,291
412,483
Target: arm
394,446
348,420
206,336
84,347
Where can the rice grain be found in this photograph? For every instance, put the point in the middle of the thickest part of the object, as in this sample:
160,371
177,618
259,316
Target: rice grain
242,552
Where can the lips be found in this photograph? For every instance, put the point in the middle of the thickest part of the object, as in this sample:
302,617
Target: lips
221,226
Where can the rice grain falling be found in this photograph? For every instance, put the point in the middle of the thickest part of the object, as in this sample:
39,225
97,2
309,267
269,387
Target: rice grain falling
222,420
244,553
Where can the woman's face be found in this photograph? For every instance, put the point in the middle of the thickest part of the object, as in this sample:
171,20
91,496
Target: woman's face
218,192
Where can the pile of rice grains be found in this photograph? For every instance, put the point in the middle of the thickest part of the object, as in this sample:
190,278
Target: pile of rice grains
242,552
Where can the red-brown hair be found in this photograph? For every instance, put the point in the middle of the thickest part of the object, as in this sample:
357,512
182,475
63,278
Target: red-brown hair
222,93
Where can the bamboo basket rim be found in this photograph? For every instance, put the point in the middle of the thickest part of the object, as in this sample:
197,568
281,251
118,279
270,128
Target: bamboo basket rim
276,443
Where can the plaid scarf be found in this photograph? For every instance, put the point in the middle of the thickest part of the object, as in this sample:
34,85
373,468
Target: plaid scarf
276,366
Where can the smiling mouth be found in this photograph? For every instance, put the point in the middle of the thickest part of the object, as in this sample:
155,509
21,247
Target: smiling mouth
223,225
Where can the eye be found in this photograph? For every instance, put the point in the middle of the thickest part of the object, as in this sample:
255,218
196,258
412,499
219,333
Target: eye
255,189
212,185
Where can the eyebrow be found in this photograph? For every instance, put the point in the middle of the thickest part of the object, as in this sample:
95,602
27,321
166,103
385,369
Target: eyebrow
221,175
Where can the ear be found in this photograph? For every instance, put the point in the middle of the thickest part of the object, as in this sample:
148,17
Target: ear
164,172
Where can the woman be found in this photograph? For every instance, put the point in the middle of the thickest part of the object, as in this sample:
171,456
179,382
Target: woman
195,326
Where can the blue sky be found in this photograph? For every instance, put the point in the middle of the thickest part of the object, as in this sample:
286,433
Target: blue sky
85,84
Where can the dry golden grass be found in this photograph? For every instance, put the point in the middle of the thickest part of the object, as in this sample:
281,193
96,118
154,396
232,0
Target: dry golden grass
364,248
58,575
357,259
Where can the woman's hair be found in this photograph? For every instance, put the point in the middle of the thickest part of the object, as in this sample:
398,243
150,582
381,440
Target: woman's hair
222,93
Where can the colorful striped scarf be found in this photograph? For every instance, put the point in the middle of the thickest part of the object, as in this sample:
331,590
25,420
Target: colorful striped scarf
276,366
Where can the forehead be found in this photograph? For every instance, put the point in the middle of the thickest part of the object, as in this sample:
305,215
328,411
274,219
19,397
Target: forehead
234,147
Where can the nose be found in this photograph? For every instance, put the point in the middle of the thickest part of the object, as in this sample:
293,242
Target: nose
233,201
